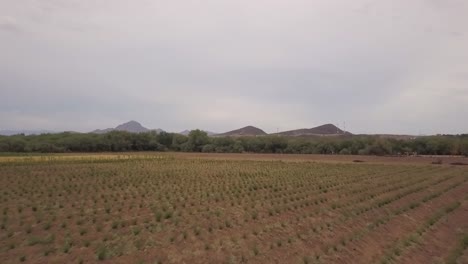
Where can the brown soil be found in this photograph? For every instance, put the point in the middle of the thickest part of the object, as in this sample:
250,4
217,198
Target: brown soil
321,201
372,247
464,258
420,160
438,242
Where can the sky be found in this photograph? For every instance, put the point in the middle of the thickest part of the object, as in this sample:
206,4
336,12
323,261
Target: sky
380,66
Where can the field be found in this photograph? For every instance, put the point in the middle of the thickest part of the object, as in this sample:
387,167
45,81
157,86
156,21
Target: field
188,208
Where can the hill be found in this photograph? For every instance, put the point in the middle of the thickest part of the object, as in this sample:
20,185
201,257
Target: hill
323,130
186,132
131,127
245,131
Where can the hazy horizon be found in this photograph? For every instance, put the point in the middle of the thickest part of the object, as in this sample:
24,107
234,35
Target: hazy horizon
43,131
390,67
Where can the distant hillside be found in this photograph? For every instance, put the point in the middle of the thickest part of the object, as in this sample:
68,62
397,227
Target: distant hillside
25,132
245,131
327,129
131,127
186,132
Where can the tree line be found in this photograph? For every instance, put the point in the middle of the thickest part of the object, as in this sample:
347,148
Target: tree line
199,141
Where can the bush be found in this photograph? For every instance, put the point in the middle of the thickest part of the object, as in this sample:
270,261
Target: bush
101,253
345,151
209,148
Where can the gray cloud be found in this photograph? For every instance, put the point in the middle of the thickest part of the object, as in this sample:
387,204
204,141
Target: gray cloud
381,66
8,24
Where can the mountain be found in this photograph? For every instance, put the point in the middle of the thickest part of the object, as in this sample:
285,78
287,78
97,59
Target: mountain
131,126
102,131
327,129
135,127
245,131
186,132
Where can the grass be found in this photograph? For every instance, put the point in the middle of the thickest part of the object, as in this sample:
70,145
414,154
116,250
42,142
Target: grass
40,240
102,253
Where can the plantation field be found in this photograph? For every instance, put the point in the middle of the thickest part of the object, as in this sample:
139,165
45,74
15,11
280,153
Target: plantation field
168,208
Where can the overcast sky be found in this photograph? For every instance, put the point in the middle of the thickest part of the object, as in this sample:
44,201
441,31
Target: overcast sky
381,66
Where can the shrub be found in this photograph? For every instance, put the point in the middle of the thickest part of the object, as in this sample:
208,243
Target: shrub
101,253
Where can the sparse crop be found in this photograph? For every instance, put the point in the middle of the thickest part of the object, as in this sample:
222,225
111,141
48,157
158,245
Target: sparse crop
105,209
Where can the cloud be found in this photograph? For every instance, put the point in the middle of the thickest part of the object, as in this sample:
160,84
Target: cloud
8,24
381,66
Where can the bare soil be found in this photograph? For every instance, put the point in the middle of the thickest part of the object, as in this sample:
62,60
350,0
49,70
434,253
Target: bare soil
421,160
228,208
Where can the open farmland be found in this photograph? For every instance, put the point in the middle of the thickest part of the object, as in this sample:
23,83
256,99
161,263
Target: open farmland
217,209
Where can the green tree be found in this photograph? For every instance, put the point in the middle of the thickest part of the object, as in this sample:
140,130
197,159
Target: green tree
178,142
17,145
463,147
165,139
196,140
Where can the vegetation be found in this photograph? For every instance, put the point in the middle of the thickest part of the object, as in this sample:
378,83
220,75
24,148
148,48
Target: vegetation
104,208
198,141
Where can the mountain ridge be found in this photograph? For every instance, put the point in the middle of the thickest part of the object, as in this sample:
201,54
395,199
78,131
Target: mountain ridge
11,132
135,127
130,126
187,132
322,130
244,131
